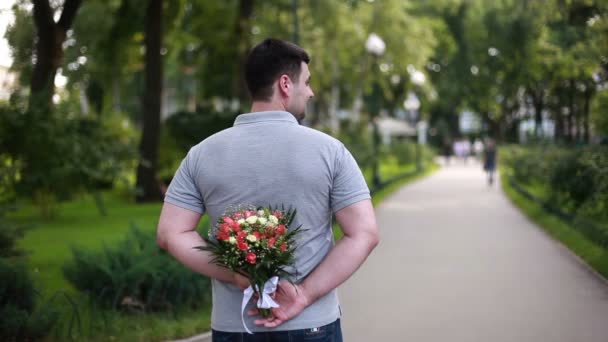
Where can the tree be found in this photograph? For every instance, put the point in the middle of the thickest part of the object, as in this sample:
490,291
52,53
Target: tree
243,43
49,51
148,185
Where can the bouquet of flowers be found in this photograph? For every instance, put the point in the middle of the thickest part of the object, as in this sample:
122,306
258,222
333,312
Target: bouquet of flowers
257,243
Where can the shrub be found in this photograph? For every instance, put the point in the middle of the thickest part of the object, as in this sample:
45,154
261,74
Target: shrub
136,275
189,128
184,130
575,179
357,138
596,208
19,319
524,163
572,179
404,152
58,154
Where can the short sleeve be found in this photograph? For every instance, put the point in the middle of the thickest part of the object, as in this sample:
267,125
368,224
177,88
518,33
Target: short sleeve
183,191
348,185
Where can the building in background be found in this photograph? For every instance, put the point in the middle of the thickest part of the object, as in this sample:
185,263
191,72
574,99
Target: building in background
8,82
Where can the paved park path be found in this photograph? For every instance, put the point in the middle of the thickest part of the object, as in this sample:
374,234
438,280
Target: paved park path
458,262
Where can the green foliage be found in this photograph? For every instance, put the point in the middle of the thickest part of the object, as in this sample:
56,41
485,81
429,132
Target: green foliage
136,275
573,179
357,139
9,234
59,154
599,114
20,37
404,152
526,169
186,129
19,319
17,288
596,164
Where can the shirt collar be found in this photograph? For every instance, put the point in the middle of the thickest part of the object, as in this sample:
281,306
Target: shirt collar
256,117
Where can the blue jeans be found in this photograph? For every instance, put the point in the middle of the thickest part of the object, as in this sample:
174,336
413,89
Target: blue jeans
327,333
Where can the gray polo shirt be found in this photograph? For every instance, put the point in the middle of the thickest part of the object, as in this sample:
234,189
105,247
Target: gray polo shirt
266,158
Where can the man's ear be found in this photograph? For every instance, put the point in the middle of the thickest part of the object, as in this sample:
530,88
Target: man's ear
285,85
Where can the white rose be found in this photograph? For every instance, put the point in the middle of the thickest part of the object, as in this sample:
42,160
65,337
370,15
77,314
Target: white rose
252,219
260,212
252,238
240,221
273,219
262,220
232,240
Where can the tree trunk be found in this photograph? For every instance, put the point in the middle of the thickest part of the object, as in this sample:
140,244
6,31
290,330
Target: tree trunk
559,126
49,51
148,185
556,109
586,133
539,102
242,29
570,120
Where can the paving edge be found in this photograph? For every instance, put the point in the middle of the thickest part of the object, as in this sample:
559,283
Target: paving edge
555,240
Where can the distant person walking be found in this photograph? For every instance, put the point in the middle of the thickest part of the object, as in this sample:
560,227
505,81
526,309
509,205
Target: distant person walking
447,151
489,164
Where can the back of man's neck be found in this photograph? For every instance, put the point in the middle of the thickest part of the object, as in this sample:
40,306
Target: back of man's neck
259,106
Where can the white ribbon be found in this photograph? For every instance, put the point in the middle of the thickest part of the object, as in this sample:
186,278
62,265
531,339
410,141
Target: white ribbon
264,302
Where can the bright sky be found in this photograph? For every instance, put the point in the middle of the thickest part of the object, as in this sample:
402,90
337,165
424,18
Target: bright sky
6,17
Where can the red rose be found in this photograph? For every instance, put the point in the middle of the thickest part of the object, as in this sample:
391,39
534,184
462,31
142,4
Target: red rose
222,236
271,242
241,235
236,226
277,214
247,213
225,228
242,246
283,247
238,215
257,235
281,229
228,220
250,258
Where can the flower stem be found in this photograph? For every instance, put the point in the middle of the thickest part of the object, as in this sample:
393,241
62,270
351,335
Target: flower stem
265,312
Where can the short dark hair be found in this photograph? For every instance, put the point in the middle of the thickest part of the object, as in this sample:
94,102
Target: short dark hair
267,61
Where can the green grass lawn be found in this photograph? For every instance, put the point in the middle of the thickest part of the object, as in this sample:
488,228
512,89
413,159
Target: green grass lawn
78,223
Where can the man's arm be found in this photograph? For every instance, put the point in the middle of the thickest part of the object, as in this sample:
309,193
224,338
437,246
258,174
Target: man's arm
177,235
358,222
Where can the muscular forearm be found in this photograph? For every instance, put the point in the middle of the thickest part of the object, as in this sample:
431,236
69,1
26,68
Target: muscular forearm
343,260
181,246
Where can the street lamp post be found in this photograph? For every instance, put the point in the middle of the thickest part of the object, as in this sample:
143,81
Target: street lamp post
375,46
412,104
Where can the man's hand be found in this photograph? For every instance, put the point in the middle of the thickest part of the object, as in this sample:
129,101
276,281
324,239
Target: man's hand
292,300
240,281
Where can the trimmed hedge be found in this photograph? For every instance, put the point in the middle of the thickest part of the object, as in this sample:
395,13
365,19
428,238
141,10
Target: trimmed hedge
571,181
